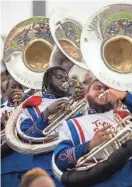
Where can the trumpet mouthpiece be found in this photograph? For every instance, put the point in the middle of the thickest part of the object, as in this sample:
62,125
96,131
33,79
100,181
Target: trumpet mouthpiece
65,85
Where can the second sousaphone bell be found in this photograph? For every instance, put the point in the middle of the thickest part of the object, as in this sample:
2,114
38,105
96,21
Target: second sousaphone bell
66,31
106,46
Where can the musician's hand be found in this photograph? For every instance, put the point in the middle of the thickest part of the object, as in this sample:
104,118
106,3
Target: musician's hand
4,118
115,95
55,107
18,96
81,90
100,136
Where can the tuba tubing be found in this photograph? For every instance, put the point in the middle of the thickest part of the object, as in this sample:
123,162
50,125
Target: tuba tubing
16,144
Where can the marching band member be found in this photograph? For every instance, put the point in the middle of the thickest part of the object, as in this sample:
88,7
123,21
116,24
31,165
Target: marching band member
54,96
13,164
53,79
15,95
80,135
35,120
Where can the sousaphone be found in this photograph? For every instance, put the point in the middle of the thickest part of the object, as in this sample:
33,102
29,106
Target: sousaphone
66,28
106,46
27,51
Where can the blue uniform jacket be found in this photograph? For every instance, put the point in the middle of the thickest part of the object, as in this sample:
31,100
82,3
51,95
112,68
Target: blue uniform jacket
34,127
16,162
128,102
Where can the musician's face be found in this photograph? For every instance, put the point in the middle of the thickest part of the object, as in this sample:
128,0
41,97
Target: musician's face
95,90
58,78
12,86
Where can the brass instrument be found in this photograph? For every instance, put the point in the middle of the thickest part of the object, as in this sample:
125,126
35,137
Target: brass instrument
27,52
106,47
112,40
122,134
66,28
72,107
15,143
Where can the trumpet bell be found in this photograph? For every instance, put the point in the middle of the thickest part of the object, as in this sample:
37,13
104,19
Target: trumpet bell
106,46
66,30
27,51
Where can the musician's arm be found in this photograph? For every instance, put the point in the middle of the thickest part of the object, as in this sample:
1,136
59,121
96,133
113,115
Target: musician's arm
128,101
34,128
66,153
101,172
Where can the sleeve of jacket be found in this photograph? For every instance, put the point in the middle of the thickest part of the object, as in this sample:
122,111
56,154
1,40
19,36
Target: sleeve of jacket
102,171
34,128
66,152
128,102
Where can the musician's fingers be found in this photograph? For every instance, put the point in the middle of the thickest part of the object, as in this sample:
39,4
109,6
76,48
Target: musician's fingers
109,131
80,92
111,96
6,113
104,128
61,103
100,133
103,138
78,98
59,107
